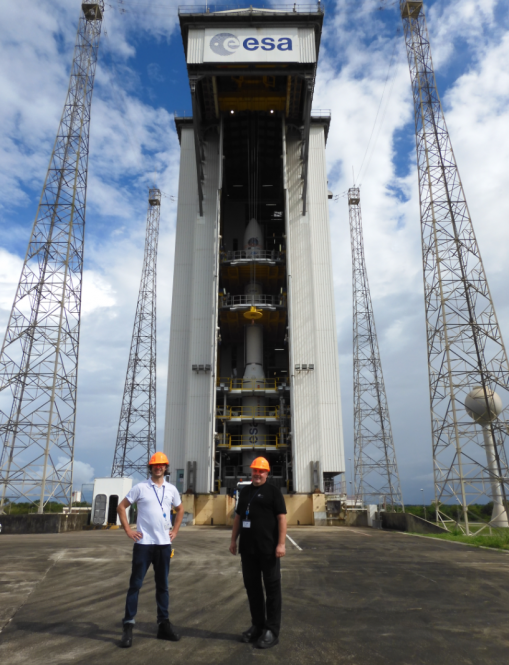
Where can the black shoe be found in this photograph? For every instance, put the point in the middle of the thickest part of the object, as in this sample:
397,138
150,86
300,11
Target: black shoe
127,636
166,632
267,640
251,635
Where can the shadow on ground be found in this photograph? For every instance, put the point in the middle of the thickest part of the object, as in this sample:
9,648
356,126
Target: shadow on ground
355,596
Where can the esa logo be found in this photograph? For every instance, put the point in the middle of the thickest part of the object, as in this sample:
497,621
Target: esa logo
225,44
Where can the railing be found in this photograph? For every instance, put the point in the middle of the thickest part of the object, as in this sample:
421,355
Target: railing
247,412
315,8
230,383
339,486
243,472
259,300
252,255
321,113
247,441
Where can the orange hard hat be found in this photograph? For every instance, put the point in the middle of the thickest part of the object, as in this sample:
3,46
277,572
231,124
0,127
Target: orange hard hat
159,458
261,464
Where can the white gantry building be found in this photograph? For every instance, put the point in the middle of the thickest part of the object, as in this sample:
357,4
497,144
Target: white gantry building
253,365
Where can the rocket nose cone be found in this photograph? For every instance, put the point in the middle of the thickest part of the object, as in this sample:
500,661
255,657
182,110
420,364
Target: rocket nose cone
253,237
254,371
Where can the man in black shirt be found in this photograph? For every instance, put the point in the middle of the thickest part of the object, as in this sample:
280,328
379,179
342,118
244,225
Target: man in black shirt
261,522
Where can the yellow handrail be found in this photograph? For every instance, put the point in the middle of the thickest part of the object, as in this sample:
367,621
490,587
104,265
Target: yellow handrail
243,441
251,384
247,412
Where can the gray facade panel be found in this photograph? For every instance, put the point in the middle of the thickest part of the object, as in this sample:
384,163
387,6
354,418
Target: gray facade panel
203,316
317,424
195,45
179,364
307,45
327,361
306,426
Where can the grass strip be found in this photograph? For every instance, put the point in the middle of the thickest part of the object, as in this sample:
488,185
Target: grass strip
497,539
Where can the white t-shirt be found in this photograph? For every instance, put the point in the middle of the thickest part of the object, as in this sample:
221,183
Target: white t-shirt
154,510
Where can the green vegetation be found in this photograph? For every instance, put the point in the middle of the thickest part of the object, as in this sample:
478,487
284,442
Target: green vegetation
477,512
25,508
13,508
498,538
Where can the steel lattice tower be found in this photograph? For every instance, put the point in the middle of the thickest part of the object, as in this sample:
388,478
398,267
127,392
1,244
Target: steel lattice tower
467,360
376,469
136,438
39,356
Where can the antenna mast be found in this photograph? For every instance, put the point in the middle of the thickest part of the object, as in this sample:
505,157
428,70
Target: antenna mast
39,356
376,469
136,438
467,360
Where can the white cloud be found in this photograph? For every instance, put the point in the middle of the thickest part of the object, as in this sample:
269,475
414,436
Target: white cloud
33,87
96,293
477,108
472,21
10,270
82,473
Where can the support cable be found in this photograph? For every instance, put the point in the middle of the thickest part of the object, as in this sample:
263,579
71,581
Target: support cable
389,69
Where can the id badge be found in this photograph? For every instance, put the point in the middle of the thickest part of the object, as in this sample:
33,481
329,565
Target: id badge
246,524
167,523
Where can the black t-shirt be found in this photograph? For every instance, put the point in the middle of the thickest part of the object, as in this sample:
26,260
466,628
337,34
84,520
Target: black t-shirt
265,503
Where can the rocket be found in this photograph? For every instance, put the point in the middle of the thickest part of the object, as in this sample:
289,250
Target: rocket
253,238
253,433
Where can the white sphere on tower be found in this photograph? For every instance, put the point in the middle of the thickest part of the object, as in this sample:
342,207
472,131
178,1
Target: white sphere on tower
483,408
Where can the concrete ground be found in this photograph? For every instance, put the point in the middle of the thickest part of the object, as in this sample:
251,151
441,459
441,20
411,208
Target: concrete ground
351,595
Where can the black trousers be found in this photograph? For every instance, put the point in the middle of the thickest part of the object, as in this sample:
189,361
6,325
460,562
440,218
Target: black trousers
254,567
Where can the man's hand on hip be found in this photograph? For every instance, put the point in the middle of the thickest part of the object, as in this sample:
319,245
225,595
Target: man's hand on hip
280,551
134,535
173,534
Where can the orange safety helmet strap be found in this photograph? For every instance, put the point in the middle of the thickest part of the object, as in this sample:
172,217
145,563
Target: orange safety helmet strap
261,464
158,458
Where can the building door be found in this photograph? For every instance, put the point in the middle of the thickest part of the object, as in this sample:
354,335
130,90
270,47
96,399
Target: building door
112,509
99,509
180,480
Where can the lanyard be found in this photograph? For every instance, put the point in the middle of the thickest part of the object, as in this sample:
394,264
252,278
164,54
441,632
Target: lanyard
252,497
160,502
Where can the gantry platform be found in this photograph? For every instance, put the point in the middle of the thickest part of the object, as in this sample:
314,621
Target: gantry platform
255,414
244,387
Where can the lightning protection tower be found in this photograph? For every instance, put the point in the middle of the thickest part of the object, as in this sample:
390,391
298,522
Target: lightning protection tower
136,438
376,469
39,356
467,360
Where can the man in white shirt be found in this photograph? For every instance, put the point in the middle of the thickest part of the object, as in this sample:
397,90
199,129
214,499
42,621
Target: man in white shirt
152,543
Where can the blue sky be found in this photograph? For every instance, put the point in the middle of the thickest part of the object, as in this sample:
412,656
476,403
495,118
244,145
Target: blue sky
141,80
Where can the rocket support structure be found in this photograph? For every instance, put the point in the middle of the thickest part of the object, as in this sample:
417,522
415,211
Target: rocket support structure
253,363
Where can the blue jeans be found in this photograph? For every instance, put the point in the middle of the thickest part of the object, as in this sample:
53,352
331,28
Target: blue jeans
143,556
